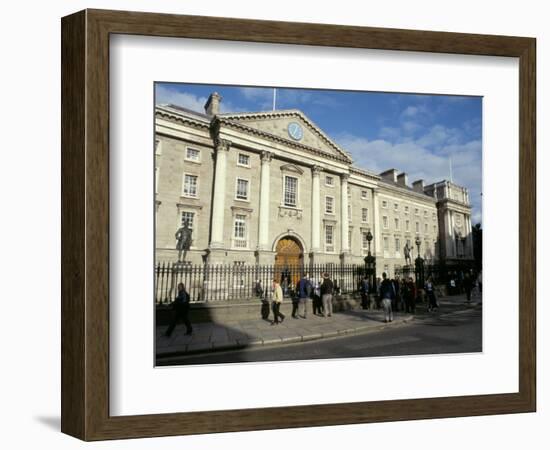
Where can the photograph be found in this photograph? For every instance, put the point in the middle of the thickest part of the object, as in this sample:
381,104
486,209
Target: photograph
302,224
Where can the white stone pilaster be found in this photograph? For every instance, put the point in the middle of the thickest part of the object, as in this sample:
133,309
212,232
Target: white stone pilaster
469,238
344,220
218,205
265,174
376,222
315,209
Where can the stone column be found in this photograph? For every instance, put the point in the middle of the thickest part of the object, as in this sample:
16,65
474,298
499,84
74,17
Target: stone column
218,205
263,230
344,221
315,209
376,222
469,238
449,234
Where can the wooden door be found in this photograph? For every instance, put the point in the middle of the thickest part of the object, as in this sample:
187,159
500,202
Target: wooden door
289,259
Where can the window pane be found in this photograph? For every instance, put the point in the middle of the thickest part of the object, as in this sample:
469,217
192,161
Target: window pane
193,154
190,185
291,185
242,189
189,217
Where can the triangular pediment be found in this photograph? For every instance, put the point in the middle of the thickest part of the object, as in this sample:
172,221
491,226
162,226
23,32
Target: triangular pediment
291,168
291,125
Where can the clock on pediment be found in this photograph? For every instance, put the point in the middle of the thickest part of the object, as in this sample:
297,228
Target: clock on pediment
295,131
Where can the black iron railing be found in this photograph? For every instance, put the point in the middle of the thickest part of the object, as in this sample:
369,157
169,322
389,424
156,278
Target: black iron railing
217,283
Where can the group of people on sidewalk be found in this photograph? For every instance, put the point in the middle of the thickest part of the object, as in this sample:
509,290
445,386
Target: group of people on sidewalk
394,295
321,292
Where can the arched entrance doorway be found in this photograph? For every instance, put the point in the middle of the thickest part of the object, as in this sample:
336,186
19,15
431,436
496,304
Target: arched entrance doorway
289,260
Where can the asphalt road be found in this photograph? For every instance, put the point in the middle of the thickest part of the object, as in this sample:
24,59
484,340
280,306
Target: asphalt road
454,332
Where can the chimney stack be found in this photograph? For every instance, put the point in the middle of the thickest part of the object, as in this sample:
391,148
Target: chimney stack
212,105
403,179
418,186
390,175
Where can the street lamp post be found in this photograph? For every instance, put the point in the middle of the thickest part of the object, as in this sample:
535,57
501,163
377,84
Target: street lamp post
370,265
419,265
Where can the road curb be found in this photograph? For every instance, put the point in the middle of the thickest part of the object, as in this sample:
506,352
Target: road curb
198,349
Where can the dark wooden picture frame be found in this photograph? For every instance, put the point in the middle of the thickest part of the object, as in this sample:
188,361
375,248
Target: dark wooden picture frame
85,224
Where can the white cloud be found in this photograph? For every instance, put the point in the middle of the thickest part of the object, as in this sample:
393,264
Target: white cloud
167,94
420,160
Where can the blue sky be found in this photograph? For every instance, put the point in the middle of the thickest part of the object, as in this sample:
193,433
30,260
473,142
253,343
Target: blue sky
417,134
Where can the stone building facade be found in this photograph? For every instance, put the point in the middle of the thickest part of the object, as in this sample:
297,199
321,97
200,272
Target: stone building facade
273,188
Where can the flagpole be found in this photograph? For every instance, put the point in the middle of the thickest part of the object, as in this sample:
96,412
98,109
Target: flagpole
274,98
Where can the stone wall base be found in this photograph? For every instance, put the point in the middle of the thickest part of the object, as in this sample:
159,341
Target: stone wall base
251,309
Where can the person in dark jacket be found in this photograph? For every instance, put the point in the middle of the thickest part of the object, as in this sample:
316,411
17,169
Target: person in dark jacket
364,289
327,291
387,294
409,292
430,292
303,291
181,311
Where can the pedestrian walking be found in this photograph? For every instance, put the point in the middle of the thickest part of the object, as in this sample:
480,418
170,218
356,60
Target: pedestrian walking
327,291
387,294
397,298
468,285
430,292
276,304
303,289
364,289
409,293
181,311
317,302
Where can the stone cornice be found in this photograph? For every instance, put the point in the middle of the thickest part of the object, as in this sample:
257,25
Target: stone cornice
278,139
181,119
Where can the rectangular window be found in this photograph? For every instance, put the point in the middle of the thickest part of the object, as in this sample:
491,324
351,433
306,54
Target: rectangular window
243,160
364,195
385,221
433,216
425,213
349,239
406,210
384,204
329,181
192,154
364,215
435,229
396,220
407,225
240,231
396,207
425,228
190,185
397,244
416,212
329,238
386,243
349,211
329,205
417,227
291,191
242,189
188,217
158,147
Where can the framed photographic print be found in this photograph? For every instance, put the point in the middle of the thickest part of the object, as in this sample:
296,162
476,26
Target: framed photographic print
265,224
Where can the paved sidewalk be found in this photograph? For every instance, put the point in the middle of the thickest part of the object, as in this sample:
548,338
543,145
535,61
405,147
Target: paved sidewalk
214,336
210,336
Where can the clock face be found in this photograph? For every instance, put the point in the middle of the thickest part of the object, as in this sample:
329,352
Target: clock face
295,131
